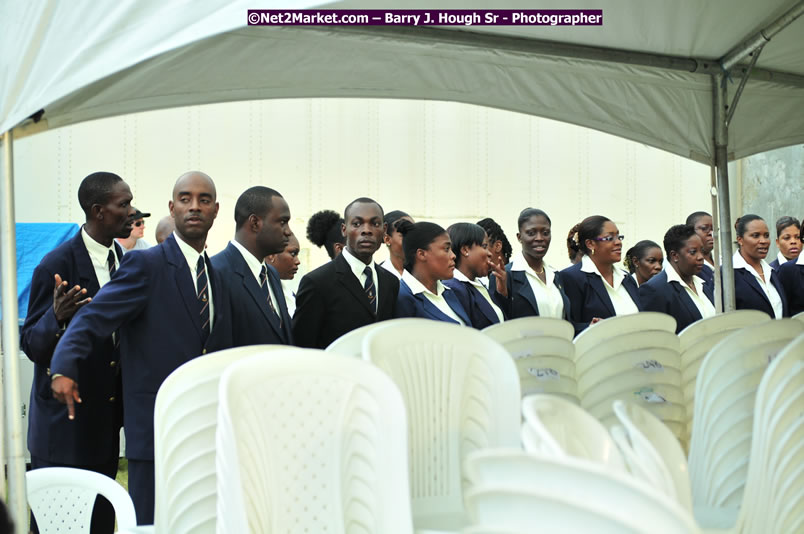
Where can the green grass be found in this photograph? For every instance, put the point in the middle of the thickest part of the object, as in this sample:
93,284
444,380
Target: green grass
122,473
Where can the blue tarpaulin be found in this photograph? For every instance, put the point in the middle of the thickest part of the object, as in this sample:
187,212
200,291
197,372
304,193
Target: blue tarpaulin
34,240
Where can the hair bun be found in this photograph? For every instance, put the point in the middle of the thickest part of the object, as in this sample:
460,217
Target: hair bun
403,226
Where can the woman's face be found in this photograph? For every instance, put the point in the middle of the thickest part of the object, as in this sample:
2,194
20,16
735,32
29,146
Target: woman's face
607,246
495,247
394,241
789,242
475,259
754,243
438,259
689,259
534,236
650,265
287,262
704,227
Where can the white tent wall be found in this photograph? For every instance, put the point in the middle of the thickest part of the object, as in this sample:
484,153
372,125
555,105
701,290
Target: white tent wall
439,161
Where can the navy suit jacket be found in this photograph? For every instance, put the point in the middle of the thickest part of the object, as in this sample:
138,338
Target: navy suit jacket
252,321
708,276
671,298
521,301
152,303
331,302
588,297
750,296
791,275
480,312
775,264
410,305
94,436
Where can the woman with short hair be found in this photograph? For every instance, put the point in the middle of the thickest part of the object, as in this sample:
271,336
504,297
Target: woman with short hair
756,284
788,240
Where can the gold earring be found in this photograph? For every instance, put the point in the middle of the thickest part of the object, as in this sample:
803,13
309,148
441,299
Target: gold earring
593,252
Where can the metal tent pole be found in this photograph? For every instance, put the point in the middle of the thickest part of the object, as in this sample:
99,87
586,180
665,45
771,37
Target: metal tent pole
721,138
17,498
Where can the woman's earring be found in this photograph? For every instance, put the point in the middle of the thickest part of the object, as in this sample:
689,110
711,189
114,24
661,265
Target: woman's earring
593,252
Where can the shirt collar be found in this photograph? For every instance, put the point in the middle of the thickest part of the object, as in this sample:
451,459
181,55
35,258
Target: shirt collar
519,263
781,259
254,265
800,260
355,264
588,266
98,252
738,262
673,276
189,253
417,287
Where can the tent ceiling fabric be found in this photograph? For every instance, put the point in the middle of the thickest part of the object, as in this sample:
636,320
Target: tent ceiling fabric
79,61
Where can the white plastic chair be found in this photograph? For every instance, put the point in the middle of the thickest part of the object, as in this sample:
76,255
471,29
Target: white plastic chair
653,445
185,419
351,343
461,391
799,316
311,443
725,395
557,428
62,499
622,325
529,493
543,352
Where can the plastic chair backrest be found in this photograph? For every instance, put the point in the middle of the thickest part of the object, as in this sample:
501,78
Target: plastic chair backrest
799,316
545,365
461,390
351,343
62,498
620,325
530,328
185,419
311,443
725,322
564,429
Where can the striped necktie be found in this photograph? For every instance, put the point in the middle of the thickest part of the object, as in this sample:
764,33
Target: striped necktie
267,293
368,287
202,290
110,261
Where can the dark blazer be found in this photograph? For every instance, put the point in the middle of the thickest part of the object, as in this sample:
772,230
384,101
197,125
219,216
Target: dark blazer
152,303
588,297
791,276
708,276
480,312
750,296
94,436
521,301
331,302
775,264
659,295
410,305
252,321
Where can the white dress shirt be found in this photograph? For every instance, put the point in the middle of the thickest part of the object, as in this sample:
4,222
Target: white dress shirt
458,275
548,297
738,262
388,266
358,267
800,260
620,298
698,297
191,255
781,259
437,298
255,266
290,296
99,256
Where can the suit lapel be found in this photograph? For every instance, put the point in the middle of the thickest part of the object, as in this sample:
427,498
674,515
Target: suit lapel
774,280
455,305
184,280
348,280
86,271
690,306
481,302
597,285
523,289
250,285
383,292
633,290
709,291
282,310
752,281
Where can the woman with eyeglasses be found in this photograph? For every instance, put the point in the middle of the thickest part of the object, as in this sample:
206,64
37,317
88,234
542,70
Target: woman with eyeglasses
756,284
596,287
788,240
678,290
704,227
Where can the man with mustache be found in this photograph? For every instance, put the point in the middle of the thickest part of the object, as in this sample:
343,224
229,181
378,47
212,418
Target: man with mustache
350,291
165,303
257,309
78,269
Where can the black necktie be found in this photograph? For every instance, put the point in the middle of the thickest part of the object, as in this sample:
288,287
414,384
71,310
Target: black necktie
368,287
202,288
110,261
267,293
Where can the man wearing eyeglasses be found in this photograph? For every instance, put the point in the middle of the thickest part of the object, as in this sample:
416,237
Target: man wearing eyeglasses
135,241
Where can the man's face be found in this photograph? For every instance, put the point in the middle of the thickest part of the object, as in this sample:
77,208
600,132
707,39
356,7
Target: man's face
364,230
193,206
115,214
138,229
274,233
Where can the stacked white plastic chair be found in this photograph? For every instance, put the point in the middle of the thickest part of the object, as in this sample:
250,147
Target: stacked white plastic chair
697,340
724,410
461,391
544,354
185,419
799,316
351,343
62,499
311,443
632,358
513,491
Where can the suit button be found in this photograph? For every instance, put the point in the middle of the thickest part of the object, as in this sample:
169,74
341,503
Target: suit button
111,399
48,371
112,364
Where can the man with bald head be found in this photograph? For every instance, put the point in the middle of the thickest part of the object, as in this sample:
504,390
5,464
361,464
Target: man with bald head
164,228
164,304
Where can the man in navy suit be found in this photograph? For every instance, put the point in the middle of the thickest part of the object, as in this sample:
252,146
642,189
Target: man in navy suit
340,296
86,261
166,305
258,311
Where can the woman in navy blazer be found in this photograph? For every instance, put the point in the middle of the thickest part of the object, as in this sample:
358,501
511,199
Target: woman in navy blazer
470,245
535,288
788,240
428,260
595,287
678,290
756,284
791,275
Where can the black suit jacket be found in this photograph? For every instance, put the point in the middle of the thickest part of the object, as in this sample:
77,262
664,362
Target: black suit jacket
791,276
331,302
521,301
94,436
481,314
252,321
671,298
750,296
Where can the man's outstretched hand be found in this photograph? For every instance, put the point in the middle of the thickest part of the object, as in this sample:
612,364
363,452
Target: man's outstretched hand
66,391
